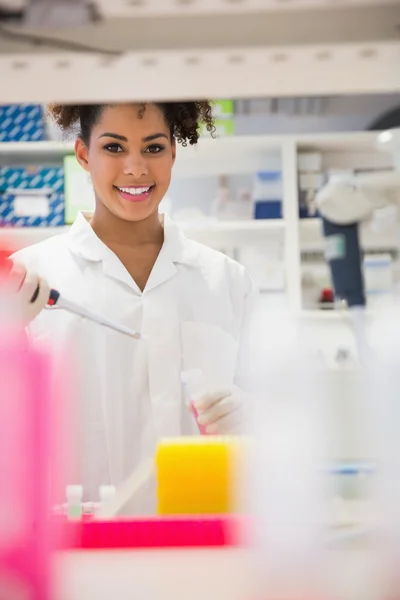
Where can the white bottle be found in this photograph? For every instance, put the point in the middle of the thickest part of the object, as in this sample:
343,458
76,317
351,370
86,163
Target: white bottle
74,494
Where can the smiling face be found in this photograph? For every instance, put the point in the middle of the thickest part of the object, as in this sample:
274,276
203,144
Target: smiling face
130,156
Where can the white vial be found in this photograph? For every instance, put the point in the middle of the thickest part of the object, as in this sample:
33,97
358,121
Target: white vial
74,494
106,492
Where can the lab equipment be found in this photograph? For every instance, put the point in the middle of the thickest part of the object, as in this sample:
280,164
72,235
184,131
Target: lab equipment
58,301
354,198
74,494
343,254
106,492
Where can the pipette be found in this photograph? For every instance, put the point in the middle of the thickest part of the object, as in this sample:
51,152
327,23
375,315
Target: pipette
57,301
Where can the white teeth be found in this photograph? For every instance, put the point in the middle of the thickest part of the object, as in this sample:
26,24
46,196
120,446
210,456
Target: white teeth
136,191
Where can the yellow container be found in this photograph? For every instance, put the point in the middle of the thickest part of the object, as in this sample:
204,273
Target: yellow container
195,475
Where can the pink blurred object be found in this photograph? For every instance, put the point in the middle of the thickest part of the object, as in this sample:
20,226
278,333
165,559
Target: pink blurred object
157,532
25,448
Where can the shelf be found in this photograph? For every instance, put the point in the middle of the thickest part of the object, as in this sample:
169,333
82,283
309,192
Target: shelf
231,155
351,141
151,8
356,150
219,24
34,153
280,70
312,241
228,233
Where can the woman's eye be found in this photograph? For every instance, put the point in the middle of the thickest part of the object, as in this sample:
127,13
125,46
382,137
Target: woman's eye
154,149
114,148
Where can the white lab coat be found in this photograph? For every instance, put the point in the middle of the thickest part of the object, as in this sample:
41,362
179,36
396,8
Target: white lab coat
194,312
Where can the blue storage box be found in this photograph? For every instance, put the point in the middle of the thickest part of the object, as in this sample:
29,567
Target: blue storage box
32,196
267,195
268,209
22,123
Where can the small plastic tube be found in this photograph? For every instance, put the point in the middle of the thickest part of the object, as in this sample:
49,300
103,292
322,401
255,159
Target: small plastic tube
74,494
106,492
195,387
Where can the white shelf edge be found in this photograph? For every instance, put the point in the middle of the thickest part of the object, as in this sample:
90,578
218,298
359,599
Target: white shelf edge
336,141
253,226
121,9
315,69
43,147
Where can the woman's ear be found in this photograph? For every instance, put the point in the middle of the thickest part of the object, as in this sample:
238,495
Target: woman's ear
81,153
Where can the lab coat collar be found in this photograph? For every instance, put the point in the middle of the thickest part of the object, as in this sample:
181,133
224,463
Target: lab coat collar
83,241
181,249
177,249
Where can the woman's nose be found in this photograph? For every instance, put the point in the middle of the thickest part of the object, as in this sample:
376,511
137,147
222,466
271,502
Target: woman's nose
136,166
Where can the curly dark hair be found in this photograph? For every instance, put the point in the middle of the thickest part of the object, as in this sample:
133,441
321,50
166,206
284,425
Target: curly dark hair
184,118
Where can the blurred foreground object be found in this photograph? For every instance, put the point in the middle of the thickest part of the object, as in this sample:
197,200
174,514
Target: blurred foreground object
197,475
289,499
27,441
383,379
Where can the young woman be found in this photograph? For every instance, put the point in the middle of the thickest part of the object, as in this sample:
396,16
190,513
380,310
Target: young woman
134,266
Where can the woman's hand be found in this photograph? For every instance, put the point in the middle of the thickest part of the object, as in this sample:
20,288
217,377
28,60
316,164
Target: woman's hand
32,292
223,412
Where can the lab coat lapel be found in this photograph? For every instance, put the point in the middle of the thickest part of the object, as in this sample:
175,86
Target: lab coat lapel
177,249
163,270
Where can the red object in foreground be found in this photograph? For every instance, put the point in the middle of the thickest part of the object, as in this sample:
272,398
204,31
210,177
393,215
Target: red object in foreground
159,532
5,262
